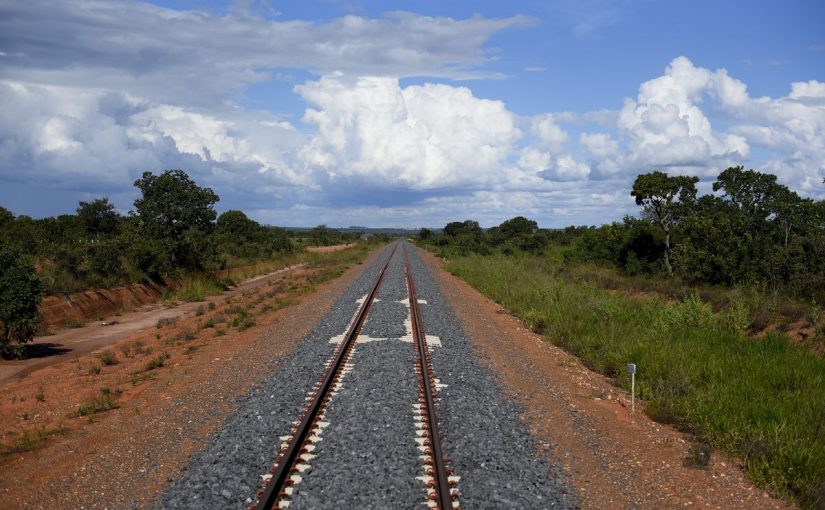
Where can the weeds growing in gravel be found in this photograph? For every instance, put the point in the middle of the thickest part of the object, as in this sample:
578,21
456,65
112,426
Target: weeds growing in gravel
760,399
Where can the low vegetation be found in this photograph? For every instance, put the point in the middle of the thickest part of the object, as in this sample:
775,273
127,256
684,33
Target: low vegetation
29,440
106,401
761,400
717,299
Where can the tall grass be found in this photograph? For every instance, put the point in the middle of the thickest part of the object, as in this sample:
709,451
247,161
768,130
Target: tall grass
196,287
762,400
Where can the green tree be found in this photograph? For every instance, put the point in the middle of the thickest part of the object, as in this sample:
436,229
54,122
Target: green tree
237,226
467,227
98,217
520,233
174,210
20,294
665,201
6,217
751,191
425,234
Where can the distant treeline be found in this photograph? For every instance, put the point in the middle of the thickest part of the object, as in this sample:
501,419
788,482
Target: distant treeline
173,230
753,231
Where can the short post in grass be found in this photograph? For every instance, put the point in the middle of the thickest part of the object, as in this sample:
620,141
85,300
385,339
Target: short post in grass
631,369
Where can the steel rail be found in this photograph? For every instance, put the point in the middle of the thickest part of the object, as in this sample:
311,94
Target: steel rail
444,496
287,459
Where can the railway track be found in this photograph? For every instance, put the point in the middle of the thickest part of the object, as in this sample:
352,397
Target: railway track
296,451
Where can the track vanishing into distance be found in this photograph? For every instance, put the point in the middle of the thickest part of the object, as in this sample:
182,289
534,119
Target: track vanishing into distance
371,411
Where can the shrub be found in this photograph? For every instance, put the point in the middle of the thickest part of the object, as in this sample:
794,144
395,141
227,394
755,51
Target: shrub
20,294
692,313
107,400
159,361
242,321
108,358
738,317
216,319
166,321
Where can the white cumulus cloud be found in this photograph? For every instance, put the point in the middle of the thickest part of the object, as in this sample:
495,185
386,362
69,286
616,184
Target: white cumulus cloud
666,126
419,137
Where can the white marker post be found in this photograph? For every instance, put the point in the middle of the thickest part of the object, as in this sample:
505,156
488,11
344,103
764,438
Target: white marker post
631,369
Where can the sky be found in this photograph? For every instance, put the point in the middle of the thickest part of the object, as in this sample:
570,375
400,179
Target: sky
406,114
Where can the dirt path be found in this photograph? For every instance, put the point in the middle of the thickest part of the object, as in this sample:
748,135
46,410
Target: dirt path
583,421
72,343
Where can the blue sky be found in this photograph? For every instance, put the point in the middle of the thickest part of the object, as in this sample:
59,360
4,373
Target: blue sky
406,114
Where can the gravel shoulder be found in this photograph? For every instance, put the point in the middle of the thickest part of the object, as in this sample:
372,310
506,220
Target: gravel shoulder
582,421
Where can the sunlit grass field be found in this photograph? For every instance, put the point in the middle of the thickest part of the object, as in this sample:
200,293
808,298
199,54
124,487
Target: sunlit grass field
762,400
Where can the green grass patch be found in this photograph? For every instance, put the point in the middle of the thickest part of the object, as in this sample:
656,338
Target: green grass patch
29,440
197,287
158,362
762,400
106,401
242,321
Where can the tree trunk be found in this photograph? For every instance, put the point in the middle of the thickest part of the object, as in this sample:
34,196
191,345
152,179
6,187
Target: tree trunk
668,267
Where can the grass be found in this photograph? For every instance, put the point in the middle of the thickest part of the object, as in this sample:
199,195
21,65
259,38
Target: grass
197,287
166,321
158,362
30,440
214,320
762,400
761,306
106,401
108,358
242,321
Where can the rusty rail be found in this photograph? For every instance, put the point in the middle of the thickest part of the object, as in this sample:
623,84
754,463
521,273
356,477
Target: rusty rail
274,490
443,496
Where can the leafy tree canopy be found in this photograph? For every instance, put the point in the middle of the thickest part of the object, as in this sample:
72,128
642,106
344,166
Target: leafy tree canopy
98,216
456,228
237,225
665,200
6,216
750,191
172,203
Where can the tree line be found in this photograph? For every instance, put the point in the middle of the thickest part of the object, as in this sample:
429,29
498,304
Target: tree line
750,231
173,230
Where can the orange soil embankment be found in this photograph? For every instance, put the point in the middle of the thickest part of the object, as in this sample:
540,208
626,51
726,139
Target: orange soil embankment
59,311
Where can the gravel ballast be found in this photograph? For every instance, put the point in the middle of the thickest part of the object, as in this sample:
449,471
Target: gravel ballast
367,457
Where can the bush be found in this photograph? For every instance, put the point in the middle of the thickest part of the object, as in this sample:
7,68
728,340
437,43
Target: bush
692,313
106,401
20,294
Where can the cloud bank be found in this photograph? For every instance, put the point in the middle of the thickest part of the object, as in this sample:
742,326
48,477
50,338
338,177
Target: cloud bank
141,87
